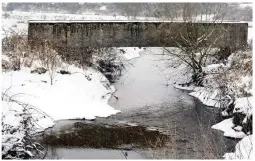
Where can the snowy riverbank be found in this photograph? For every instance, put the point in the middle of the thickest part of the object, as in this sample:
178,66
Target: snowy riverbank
236,107
82,94
77,94
244,148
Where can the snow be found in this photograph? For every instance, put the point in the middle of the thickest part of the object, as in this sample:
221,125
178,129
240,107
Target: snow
188,88
238,128
243,105
227,127
12,110
8,141
245,83
11,117
224,113
213,68
206,96
84,21
129,52
70,96
210,96
103,8
244,5
18,20
243,149
5,58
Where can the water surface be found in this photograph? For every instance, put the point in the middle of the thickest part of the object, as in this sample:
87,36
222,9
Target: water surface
148,100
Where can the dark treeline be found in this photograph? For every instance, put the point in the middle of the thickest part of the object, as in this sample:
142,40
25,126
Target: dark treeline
231,11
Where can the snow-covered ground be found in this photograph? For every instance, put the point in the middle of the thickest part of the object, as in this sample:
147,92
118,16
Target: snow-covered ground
82,94
78,95
243,150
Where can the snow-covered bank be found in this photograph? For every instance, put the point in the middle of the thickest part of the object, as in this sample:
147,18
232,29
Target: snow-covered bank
76,93
229,87
207,97
229,129
212,96
243,150
82,94
243,105
129,52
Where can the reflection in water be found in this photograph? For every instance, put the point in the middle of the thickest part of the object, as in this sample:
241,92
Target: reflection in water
82,153
106,136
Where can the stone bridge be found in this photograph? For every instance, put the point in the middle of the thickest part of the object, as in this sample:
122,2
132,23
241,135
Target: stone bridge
80,34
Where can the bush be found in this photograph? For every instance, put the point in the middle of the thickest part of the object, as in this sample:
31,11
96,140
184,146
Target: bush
16,48
17,142
49,58
108,62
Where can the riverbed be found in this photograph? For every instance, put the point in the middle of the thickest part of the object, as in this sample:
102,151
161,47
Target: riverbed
165,122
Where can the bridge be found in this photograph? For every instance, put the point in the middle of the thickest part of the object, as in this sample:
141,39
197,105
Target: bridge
80,34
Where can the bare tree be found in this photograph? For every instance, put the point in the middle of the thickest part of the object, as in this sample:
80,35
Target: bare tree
195,42
130,10
50,59
15,46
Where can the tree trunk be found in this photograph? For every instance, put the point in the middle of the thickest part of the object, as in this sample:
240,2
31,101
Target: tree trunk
198,76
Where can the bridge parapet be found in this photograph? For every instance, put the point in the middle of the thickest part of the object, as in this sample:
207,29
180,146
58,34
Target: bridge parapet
80,34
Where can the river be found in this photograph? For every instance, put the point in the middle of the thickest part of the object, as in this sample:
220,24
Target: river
146,96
